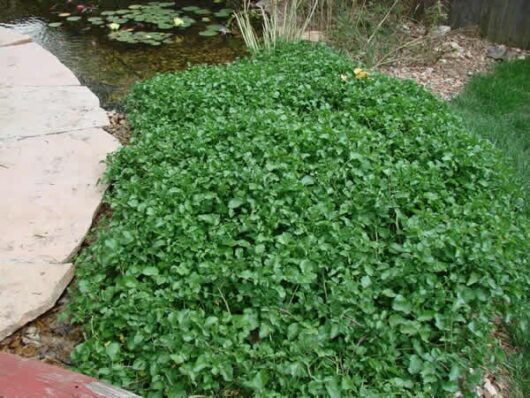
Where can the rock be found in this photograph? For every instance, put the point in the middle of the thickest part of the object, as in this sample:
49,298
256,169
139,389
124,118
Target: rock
440,30
497,52
34,111
455,50
53,193
31,336
9,37
15,70
28,290
489,390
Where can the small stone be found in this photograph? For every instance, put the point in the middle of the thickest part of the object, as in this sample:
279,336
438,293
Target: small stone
31,336
489,390
497,52
441,30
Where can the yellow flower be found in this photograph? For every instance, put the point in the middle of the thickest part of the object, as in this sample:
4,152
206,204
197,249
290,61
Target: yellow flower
114,26
344,78
178,21
360,73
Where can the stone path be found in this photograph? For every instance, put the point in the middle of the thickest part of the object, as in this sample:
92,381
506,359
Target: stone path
52,148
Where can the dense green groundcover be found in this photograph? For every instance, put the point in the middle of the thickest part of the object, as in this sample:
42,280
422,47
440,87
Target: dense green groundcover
281,228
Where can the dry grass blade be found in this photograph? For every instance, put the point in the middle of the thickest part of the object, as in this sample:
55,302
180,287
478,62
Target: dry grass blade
284,22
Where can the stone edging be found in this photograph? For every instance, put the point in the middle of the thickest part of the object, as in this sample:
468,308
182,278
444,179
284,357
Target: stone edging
52,152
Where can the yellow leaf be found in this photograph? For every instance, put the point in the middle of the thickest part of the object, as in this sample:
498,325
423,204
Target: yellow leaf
360,73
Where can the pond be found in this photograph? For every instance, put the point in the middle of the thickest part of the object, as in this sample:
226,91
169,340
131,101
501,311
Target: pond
172,36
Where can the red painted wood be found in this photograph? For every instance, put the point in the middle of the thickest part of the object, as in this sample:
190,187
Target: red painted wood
28,378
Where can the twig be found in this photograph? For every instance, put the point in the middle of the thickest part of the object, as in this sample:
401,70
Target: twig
224,300
382,21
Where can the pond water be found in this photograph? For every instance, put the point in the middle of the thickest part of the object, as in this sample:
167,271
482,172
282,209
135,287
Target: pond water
109,67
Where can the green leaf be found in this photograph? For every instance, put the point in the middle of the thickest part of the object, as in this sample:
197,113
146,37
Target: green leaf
150,271
366,281
235,203
415,364
259,381
402,305
332,388
308,180
112,350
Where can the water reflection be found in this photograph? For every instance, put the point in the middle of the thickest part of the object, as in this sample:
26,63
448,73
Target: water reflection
107,67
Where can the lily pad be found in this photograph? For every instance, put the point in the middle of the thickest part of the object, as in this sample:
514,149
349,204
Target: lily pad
73,19
55,24
96,20
224,12
190,8
64,14
202,11
215,27
141,37
208,33
166,4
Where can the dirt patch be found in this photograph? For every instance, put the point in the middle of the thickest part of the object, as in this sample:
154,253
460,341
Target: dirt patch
48,338
119,127
456,56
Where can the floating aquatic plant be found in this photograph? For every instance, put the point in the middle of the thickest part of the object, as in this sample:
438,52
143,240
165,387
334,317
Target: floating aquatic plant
155,15
151,38
224,13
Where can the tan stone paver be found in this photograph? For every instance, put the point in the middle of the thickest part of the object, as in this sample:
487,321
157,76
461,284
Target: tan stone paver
28,290
11,38
35,111
52,152
52,193
31,65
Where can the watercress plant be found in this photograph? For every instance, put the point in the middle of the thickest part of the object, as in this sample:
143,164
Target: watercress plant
281,227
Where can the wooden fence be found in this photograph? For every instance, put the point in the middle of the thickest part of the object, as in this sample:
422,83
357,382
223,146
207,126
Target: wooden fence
501,21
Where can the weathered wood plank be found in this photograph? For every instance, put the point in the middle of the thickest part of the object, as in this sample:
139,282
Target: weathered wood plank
28,378
502,21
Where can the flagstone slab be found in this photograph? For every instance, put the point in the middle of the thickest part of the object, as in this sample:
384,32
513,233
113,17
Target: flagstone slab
34,111
28,290
52,152
50,193
9,37
31,65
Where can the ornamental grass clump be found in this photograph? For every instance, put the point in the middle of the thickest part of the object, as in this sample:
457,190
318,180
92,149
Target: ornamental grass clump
282,227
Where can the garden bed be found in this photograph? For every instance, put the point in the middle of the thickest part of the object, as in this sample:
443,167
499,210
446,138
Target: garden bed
288,225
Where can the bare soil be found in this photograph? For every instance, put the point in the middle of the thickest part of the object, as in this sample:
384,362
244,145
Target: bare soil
455,57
